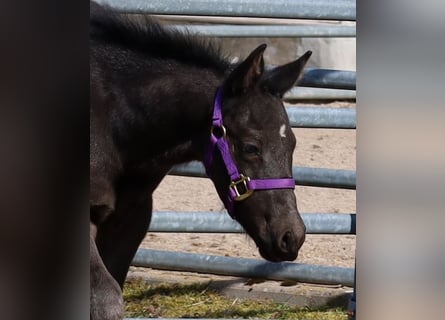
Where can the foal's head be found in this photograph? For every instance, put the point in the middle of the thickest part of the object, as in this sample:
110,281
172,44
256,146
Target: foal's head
261,143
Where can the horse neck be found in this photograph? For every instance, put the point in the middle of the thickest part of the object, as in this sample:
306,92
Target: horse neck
178,109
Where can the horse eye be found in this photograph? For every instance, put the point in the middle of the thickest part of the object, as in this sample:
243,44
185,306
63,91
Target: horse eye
251,149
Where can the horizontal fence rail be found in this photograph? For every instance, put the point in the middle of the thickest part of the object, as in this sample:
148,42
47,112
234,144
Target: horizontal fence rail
321,117
304,93
242,267
328,178
304,176
259,31
220,222
296,9
227,20
325,78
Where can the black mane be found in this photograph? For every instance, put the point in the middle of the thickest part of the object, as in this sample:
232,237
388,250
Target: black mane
147,36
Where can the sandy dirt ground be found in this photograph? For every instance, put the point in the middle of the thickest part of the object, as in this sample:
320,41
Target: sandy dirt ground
325,148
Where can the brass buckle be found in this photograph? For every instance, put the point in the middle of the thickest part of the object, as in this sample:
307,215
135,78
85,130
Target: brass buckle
244,194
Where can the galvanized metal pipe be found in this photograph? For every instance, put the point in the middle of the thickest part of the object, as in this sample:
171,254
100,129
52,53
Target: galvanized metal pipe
304,176
320,177
305,93
242,267
325,78
298,9
225,20
321,117
220,222
281,31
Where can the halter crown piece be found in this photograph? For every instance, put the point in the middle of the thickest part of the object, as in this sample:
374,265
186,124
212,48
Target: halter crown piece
241,186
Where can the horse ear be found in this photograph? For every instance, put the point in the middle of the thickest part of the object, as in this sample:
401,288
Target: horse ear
282,78
247,74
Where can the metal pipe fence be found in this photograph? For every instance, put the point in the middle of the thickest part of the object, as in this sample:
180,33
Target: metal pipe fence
242,267
219,222
261,31
343,10
305,93
325,78
304,176
321,117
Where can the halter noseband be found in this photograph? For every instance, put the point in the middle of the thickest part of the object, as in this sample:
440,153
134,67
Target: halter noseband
241,186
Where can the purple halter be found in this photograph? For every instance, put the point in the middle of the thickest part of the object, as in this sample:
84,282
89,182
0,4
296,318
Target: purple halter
241,186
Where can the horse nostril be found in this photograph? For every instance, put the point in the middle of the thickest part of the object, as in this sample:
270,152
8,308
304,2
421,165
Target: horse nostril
288,242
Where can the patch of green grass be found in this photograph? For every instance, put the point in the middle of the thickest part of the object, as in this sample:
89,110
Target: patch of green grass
199,301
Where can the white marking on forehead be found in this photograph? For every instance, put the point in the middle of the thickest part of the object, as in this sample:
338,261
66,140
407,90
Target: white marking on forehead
282,131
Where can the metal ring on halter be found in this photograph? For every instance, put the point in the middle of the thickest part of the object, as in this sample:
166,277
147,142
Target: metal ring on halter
224,131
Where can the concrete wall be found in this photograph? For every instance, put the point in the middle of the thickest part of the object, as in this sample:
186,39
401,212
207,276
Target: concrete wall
328,53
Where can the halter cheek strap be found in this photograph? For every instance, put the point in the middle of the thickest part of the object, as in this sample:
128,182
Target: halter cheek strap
241,186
